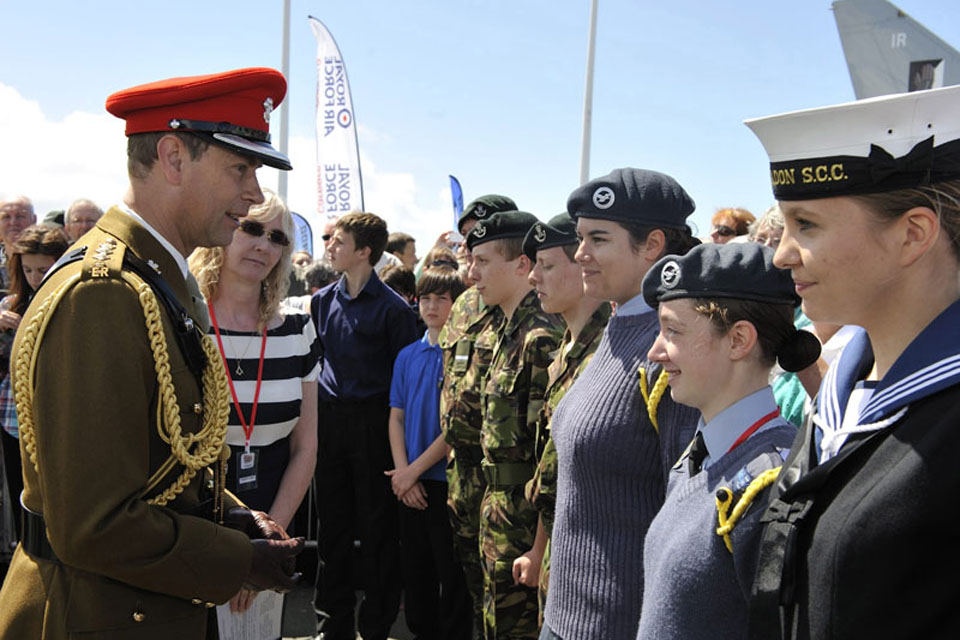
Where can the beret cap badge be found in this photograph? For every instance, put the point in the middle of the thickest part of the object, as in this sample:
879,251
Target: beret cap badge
670,275
480,231
539,233
603,198
480,211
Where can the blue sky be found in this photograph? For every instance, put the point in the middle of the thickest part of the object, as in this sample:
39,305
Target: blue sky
488,90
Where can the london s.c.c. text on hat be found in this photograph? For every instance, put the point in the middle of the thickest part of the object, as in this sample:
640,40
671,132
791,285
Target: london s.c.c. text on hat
808,174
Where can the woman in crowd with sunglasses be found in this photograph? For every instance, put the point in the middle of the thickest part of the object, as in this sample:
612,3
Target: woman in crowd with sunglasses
271,354
860,538
728,224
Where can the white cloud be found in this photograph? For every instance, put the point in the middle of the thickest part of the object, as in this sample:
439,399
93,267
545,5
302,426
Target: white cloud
54,163
84,155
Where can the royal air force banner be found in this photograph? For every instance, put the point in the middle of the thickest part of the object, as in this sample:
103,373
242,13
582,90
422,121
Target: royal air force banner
339,184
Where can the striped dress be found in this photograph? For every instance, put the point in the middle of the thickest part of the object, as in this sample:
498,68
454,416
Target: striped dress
290,359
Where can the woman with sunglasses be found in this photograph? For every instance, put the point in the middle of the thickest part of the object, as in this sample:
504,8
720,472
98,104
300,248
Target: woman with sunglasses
728,224
271,355
860,538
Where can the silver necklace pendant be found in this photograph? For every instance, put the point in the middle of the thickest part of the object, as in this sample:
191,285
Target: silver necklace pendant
239,369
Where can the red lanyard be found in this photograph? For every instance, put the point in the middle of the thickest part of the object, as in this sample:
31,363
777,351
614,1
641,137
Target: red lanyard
247,429
753,428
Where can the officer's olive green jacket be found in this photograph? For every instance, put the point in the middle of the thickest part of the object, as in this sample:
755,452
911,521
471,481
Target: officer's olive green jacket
129,570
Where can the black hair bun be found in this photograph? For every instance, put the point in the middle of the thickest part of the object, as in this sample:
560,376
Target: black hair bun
799,351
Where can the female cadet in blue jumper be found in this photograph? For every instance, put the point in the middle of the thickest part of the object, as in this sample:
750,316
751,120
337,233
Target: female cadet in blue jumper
726,316
860,540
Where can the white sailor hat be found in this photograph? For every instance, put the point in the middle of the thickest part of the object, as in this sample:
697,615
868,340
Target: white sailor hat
868,146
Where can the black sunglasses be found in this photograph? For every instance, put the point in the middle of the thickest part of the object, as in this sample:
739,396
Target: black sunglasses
255,229
724,231
445,263
326,237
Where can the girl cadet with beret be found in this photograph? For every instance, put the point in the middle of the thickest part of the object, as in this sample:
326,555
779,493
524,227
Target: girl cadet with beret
614,448
726,316
860,538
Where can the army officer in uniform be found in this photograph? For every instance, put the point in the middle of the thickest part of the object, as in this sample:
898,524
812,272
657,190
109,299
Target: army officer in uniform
123,403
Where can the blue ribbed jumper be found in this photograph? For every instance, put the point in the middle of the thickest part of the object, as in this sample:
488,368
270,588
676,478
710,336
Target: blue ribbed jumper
612,467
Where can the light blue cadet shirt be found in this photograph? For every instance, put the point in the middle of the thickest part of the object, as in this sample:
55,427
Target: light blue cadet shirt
727,426
415,388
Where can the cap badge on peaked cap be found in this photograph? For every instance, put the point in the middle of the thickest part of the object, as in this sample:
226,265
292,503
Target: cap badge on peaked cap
670,275
267,109
603,198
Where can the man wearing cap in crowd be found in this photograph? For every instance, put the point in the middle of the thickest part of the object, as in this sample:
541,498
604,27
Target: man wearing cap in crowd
123,440
467,341
512,394
556,276
80,217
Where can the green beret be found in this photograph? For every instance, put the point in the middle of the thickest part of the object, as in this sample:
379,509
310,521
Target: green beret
484,207
633,195
499,226
741,270
560,231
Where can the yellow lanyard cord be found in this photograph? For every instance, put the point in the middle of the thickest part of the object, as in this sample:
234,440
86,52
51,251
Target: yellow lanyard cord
652,398
725,498
207,443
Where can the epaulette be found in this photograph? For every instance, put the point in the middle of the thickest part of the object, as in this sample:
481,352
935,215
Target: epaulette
746,485
103,261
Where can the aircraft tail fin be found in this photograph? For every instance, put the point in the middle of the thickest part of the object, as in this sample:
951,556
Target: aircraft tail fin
887,51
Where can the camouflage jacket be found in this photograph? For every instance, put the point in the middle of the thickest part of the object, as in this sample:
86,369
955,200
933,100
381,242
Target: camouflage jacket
566,367
467,341
516,383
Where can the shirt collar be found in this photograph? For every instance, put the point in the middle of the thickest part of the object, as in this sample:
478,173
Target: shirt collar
723,430
929,364
177,256
634,306
368,288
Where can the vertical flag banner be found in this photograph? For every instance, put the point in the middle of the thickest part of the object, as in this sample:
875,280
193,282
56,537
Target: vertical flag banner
339,183
457,193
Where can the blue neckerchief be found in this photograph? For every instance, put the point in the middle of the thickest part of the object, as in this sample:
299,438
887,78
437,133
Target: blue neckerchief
929,364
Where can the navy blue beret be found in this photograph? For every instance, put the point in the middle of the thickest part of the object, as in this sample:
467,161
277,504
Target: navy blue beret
560,231
633,195
741,270
499,226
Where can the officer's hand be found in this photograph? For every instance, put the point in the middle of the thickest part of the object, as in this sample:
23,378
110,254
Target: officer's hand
242,601
526,571
256,524
272,566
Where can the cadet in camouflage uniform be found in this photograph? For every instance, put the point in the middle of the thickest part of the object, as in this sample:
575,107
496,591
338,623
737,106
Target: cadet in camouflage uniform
467,342
511,400
557,279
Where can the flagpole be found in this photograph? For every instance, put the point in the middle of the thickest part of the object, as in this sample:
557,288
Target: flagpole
285,105
588,97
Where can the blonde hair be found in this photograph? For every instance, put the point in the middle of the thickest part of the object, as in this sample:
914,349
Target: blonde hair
206,262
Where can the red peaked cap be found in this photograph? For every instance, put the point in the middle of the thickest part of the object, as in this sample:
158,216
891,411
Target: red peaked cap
232,108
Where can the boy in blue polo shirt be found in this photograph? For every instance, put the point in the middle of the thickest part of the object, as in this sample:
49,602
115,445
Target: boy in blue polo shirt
436,602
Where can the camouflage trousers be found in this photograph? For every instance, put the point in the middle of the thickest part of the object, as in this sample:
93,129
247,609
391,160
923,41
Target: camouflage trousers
508,525
466,485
